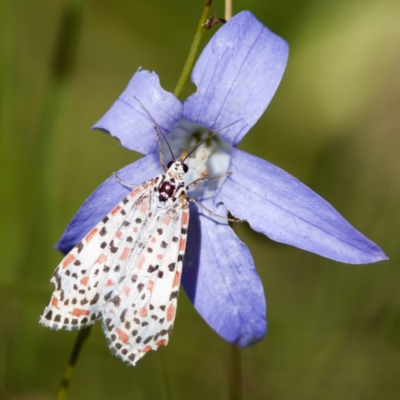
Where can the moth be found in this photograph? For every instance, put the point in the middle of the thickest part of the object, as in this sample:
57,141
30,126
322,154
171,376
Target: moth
126,271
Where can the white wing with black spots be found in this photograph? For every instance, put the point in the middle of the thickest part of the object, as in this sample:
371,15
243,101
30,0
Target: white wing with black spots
89,270
140,312
127,269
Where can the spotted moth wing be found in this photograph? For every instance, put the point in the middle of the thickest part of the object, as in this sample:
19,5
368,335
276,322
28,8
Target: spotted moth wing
139,314
126,271
86,272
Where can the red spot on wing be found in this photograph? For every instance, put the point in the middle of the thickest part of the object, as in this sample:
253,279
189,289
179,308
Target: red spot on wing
78,312
135,229
144,206
118,234
68,260
159,256
134,192
140,262
161,342
125,254
101,259
167,220
122,336
143,312
170,312
176,279
109,283
153,240
146,349
54,302
182,245
126,290
85,280
185,218
116,209
91,234
150,285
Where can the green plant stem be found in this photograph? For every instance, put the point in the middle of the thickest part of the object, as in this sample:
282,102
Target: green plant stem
228,9
235,378
69,371
165,375
43,160
235,362
187,67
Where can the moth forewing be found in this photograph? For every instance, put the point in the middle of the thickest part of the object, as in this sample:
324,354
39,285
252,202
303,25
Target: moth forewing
141,311
83,274
127,269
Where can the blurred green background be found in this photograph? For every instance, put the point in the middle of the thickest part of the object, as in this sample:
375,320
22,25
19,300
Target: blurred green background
334,329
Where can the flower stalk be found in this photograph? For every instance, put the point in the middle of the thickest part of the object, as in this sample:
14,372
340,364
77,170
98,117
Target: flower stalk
235,374
194,48
69,371
228,10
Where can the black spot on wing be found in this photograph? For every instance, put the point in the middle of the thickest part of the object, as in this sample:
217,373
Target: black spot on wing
174,295
95,299
171,266
113,248
49,315
152,268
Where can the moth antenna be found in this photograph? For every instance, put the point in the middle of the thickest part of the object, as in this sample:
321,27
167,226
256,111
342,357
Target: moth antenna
157,129
209,137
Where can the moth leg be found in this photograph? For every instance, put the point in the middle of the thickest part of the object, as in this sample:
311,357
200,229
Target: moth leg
124,183
198,180
213,214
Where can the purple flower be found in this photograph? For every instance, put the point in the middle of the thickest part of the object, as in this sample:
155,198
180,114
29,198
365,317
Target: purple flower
236,77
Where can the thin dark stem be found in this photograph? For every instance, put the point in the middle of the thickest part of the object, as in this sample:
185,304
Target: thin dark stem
235,374
165,375
69,371
235,368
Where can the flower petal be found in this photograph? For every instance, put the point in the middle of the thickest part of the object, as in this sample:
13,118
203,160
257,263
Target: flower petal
236,76
105,198
128,120
281,207
220,279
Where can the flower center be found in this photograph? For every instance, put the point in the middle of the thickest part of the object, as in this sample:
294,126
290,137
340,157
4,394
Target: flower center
186,136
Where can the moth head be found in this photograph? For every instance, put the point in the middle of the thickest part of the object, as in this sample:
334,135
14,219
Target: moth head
177,168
